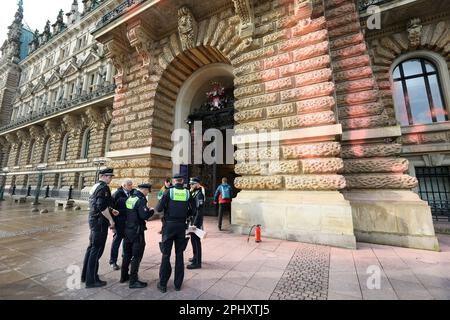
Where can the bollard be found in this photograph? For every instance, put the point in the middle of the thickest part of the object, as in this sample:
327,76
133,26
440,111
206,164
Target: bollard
29,191
47,192
13,190
70,193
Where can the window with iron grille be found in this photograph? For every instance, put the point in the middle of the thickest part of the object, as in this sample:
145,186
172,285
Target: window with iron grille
434,187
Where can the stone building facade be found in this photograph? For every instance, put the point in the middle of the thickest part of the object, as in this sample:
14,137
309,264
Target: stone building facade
351,131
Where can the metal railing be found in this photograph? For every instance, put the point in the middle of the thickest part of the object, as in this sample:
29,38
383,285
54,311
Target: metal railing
61,106
117,12
47,192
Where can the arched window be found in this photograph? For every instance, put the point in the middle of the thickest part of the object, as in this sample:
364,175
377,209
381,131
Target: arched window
46,151
65,143
31,153
108,139
18,155
86,144
418,93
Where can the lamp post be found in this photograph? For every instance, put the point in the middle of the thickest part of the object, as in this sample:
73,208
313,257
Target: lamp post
99,162
40,168
2,190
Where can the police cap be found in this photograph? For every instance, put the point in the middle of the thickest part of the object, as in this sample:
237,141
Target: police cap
107,172
178,176
145,186
194,181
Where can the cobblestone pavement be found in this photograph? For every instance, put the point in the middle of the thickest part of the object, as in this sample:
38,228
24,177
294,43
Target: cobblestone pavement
41,255
306,276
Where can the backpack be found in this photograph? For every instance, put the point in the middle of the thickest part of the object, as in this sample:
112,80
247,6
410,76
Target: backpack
225,190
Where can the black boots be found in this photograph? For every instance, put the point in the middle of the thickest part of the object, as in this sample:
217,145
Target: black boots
138,285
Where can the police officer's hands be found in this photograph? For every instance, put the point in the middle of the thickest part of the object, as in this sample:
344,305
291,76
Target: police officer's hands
115,213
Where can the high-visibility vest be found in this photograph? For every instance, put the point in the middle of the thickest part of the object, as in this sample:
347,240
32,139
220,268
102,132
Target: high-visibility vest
179,195
131,202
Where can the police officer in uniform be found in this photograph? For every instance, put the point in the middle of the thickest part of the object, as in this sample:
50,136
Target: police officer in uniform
198,196
177,205
100,218
138,213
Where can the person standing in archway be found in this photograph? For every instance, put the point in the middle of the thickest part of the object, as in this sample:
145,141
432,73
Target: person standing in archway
224,196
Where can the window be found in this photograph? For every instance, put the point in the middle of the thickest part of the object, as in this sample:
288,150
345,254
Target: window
72,91
108,139
418,93
85,145
434,187
18,155
31,153
46,151
65,143
91,83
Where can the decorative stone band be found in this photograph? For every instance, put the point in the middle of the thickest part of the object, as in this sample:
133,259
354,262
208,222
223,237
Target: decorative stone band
376,165
380,181
292,152
138,153
299,182
306,166
304,134
369,151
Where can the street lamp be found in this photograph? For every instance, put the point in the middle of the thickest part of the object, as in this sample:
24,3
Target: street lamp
2,189
40,168
99,162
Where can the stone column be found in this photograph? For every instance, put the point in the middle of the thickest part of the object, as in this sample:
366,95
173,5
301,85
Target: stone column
66,91
109,73
37,133
54,131
291,179
74,125
385,210
85,83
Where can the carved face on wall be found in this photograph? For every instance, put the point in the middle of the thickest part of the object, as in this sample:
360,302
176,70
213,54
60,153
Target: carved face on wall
185,21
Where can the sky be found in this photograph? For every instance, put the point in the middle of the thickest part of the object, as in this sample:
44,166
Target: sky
36,13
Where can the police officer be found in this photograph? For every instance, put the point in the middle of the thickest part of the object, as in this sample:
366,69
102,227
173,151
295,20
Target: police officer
198,196
100,202
177,205
138,213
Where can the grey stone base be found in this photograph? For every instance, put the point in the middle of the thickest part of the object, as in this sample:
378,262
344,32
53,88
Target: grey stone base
392,217
318,217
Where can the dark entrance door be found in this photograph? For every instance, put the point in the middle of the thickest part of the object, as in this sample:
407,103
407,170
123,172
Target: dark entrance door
218,116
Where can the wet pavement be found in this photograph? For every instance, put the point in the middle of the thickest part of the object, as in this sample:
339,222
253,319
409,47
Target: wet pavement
41,256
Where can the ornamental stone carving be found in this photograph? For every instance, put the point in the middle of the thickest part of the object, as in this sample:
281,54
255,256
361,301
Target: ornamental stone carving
245,12
315,182
370,151
52,128
376,165
73,123
381,181
326,149
36,132
141,40
259,183
117,54
187,28
414,32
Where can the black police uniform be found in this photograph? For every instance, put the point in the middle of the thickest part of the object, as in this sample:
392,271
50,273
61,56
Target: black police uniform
197,221
119,198
99,200
134,244
177,208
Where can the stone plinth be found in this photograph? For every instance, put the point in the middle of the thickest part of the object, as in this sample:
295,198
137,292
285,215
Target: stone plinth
321,217
392,217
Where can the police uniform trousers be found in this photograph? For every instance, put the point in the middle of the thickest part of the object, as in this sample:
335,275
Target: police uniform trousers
118,238
173,233
196,249
133,251
97,240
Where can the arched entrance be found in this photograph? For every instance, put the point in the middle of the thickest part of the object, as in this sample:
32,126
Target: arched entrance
206,102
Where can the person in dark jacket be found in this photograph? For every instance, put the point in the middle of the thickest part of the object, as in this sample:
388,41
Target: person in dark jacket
100,217
198,196
177,205
119,198
138,213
